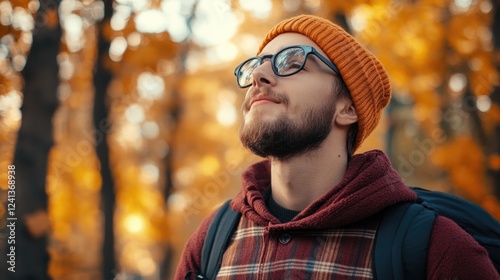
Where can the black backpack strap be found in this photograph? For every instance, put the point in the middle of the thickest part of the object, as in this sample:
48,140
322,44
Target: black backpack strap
218,236
401,242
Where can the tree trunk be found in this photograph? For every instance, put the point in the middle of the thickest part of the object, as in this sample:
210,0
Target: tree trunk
102,78
34,142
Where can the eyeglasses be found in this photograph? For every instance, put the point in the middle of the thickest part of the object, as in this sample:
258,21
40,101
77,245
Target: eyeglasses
286,62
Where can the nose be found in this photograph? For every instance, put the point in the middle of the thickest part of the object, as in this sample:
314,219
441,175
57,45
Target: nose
264,75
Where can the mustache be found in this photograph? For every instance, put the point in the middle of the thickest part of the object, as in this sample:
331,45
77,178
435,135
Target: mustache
265,91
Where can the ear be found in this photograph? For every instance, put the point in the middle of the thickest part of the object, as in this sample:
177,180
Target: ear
345,112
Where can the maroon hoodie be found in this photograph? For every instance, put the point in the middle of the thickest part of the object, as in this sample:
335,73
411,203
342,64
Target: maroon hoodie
344,219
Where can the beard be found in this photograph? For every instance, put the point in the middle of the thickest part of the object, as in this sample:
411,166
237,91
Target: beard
285,138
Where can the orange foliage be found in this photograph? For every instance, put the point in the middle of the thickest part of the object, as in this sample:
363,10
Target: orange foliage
51,18
464,160
494,162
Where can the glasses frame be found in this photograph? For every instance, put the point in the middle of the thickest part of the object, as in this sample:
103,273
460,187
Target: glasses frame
307,51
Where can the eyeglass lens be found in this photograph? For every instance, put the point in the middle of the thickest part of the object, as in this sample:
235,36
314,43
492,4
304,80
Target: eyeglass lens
289,61
286,62
245,72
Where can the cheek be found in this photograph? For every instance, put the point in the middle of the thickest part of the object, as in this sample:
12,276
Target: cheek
310,95
245,105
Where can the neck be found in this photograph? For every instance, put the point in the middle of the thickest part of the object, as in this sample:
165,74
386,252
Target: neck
299,181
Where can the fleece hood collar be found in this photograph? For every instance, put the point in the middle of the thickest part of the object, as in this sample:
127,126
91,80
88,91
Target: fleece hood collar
370,184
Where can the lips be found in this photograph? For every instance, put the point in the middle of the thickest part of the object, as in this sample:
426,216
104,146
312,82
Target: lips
263,95
262,99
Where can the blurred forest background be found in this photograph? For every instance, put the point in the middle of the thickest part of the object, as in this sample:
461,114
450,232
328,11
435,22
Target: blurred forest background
121,117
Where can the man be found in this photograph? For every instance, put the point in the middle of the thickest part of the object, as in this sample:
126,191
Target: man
310,210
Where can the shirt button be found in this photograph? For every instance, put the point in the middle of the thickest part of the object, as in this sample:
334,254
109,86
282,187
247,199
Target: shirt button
285,238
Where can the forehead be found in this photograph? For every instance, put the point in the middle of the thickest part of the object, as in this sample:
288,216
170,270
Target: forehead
289,39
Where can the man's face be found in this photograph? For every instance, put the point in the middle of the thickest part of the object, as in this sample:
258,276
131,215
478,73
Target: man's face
288,116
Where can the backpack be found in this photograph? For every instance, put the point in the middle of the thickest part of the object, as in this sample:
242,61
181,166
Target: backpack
401,241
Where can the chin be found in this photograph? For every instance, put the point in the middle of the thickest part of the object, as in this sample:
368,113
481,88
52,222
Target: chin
257,122
259,113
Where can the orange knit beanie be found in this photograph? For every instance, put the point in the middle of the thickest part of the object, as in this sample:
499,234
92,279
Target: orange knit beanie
364,75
